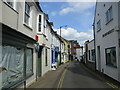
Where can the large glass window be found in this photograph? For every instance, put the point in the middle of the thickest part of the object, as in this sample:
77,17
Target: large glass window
11,65
111,56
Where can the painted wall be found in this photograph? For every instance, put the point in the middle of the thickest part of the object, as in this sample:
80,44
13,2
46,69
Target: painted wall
108,41
14,18
90,47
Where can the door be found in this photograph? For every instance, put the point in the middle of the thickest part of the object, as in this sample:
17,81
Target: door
39,64
99,58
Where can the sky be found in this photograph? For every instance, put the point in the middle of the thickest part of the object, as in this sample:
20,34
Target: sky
78,16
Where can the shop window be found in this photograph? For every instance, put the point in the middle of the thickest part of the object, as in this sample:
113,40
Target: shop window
12,62
111,56
12,65
29,62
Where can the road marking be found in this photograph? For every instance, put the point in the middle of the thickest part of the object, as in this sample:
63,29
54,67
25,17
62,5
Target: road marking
61,80
113,86
107,82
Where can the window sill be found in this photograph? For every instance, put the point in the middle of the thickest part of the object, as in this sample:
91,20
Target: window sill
27,26
91,61
109,21
11,7
99,30
111,65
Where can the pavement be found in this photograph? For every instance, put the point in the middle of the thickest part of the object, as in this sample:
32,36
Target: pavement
50,79
72,75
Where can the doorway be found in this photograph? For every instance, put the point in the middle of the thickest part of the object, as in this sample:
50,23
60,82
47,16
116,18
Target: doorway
99,58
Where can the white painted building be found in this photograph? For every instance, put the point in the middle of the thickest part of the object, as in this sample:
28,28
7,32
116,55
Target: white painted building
19,26
78,53
107,38
91,51
44,32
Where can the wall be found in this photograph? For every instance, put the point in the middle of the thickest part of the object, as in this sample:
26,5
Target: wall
9,16
14,18
109,40
0,11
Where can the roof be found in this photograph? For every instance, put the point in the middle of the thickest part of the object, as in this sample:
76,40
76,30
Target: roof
37,3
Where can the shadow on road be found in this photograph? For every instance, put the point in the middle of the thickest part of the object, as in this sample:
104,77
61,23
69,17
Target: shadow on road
78,68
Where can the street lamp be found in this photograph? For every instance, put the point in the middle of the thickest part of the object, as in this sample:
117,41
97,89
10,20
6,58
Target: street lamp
60,41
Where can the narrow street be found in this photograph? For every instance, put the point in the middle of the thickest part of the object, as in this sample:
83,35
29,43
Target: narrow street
77,76
71,75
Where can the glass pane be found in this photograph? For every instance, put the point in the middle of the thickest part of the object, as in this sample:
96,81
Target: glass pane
110,13
12,62
39,18
29,62
26,19
111,56
39,28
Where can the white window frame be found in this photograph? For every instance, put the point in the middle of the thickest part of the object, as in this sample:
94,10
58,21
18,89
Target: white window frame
99,25
39,24
109,15
29,14
13,6
112,61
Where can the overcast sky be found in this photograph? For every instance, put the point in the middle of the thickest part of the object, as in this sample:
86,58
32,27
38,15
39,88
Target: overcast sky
77,15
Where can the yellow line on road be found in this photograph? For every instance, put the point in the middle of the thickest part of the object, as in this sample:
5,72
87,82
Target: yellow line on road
108,83
61,80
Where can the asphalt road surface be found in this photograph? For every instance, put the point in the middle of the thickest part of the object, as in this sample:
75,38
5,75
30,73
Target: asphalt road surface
77,76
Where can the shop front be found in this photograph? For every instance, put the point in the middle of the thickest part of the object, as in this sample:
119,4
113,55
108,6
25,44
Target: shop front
17,59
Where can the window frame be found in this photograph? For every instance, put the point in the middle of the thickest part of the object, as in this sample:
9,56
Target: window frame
10,3
39,23
27,13
107,63
99,25
109,15
89,55
13,6
93,55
